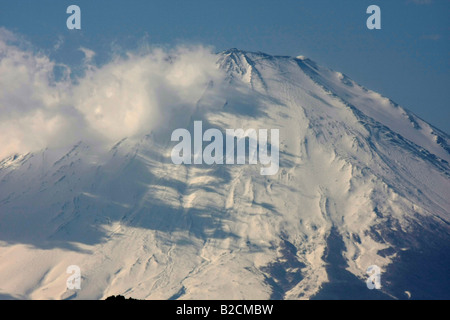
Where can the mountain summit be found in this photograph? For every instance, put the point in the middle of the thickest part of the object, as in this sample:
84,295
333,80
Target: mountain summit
361,182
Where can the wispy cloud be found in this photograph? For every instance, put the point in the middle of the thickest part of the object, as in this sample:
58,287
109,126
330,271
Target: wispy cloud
88,54
128,96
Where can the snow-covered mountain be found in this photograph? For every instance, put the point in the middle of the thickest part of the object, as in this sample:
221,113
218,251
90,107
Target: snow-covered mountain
361,182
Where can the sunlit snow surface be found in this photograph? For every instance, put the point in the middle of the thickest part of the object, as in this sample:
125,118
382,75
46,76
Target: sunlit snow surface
362,182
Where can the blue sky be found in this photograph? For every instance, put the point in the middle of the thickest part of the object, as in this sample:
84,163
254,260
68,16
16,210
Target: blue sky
407,60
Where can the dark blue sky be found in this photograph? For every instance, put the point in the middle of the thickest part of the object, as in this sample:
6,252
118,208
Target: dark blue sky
407,60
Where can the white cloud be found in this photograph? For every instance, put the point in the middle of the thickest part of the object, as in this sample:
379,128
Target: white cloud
128,96
33,107
58,44
88,54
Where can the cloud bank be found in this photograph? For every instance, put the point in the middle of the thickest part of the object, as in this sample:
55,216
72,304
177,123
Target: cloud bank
128,96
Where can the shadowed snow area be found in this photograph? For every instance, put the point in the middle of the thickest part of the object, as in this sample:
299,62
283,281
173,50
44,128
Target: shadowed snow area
362,181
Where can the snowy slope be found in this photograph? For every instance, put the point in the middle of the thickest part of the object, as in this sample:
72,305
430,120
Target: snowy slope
362,182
